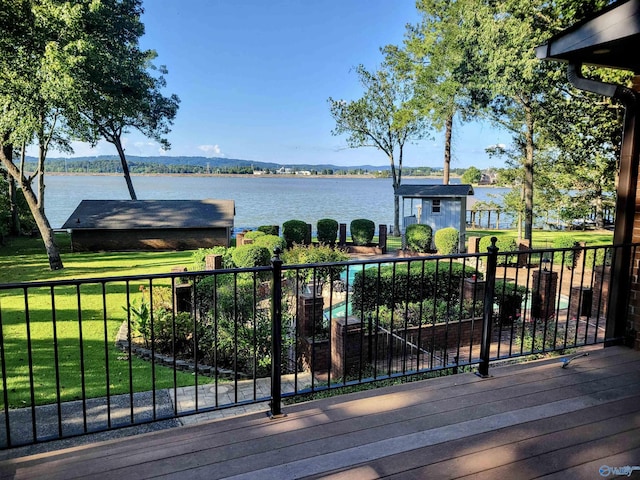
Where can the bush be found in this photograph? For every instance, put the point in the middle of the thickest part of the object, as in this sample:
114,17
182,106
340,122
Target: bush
508,296
301,255
362,231
327,231
198,257
567,257
270,242
270,230
295,231
419,237
251,255
396,284
446,240
596,257
253,234
505,244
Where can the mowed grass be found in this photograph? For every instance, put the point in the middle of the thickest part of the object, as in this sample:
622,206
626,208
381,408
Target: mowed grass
543,239
76,335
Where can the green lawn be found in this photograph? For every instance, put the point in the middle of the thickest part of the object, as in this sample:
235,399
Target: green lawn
544,238
25,260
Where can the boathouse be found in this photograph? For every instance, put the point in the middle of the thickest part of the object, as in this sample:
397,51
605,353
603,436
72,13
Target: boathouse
121,225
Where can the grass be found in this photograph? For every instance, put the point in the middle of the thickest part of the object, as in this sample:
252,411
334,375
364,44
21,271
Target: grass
543,239
24,260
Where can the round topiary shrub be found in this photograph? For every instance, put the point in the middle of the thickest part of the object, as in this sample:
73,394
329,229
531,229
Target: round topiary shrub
270,242
362,231
295,231
327,231
251,255
269,229
446,240
419,237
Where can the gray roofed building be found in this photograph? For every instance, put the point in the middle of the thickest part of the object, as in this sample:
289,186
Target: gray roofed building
114,225
420,191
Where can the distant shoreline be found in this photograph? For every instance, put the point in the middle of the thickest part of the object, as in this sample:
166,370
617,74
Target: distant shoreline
241,175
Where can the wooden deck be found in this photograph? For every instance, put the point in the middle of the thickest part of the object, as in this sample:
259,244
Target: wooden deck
526,421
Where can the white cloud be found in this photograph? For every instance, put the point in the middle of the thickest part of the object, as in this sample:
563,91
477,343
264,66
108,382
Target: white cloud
211,150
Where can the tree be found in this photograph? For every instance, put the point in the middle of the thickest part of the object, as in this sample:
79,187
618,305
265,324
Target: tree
114,86
384,118
471,175
439,55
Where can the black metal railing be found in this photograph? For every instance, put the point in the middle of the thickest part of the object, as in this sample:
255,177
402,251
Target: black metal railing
81,356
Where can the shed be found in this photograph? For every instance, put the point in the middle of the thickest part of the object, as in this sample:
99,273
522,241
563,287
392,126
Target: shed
439,206
119,225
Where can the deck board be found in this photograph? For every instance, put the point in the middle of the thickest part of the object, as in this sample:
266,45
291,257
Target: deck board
527,420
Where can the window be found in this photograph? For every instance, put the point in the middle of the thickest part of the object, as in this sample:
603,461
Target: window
435,206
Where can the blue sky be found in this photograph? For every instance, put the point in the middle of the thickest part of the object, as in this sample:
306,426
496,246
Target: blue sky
254,77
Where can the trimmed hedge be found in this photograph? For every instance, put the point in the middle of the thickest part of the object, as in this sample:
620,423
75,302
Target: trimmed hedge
253,234
269,229
505,244
362,231
295,231
446,240
251,255
270,242
397,284
419,237
327,230
567,257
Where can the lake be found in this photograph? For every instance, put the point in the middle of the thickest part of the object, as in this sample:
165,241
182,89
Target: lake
259,200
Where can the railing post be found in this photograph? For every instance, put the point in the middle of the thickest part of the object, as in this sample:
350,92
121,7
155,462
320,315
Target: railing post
276,336
487,317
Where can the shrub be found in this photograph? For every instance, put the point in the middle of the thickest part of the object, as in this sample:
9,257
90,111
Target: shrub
198,257
270,230
567,257
327,231
419,237
446,240
295,231
505,244
596,257
270,242
508,296
399,283
362,231
253,234
251,255
320,254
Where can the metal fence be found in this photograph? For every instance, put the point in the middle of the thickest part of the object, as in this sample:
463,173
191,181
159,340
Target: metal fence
81,356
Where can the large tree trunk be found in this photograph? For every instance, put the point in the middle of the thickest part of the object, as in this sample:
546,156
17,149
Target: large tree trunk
447,148
125,166
46,232
396,176
14,229
528,176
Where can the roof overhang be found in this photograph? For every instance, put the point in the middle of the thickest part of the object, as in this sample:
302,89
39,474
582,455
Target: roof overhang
611,39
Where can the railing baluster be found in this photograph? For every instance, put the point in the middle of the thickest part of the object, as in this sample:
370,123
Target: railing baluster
276,336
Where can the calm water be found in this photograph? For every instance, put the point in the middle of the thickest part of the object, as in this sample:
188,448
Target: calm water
258,200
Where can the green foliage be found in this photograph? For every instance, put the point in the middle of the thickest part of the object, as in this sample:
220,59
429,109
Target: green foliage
362,231
327,230
565,258
427,312
446,240
251,255
418,237
295,231
505,243
471,175
596,257
400,283
315,255
253,234
198,257
270,242
269,229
